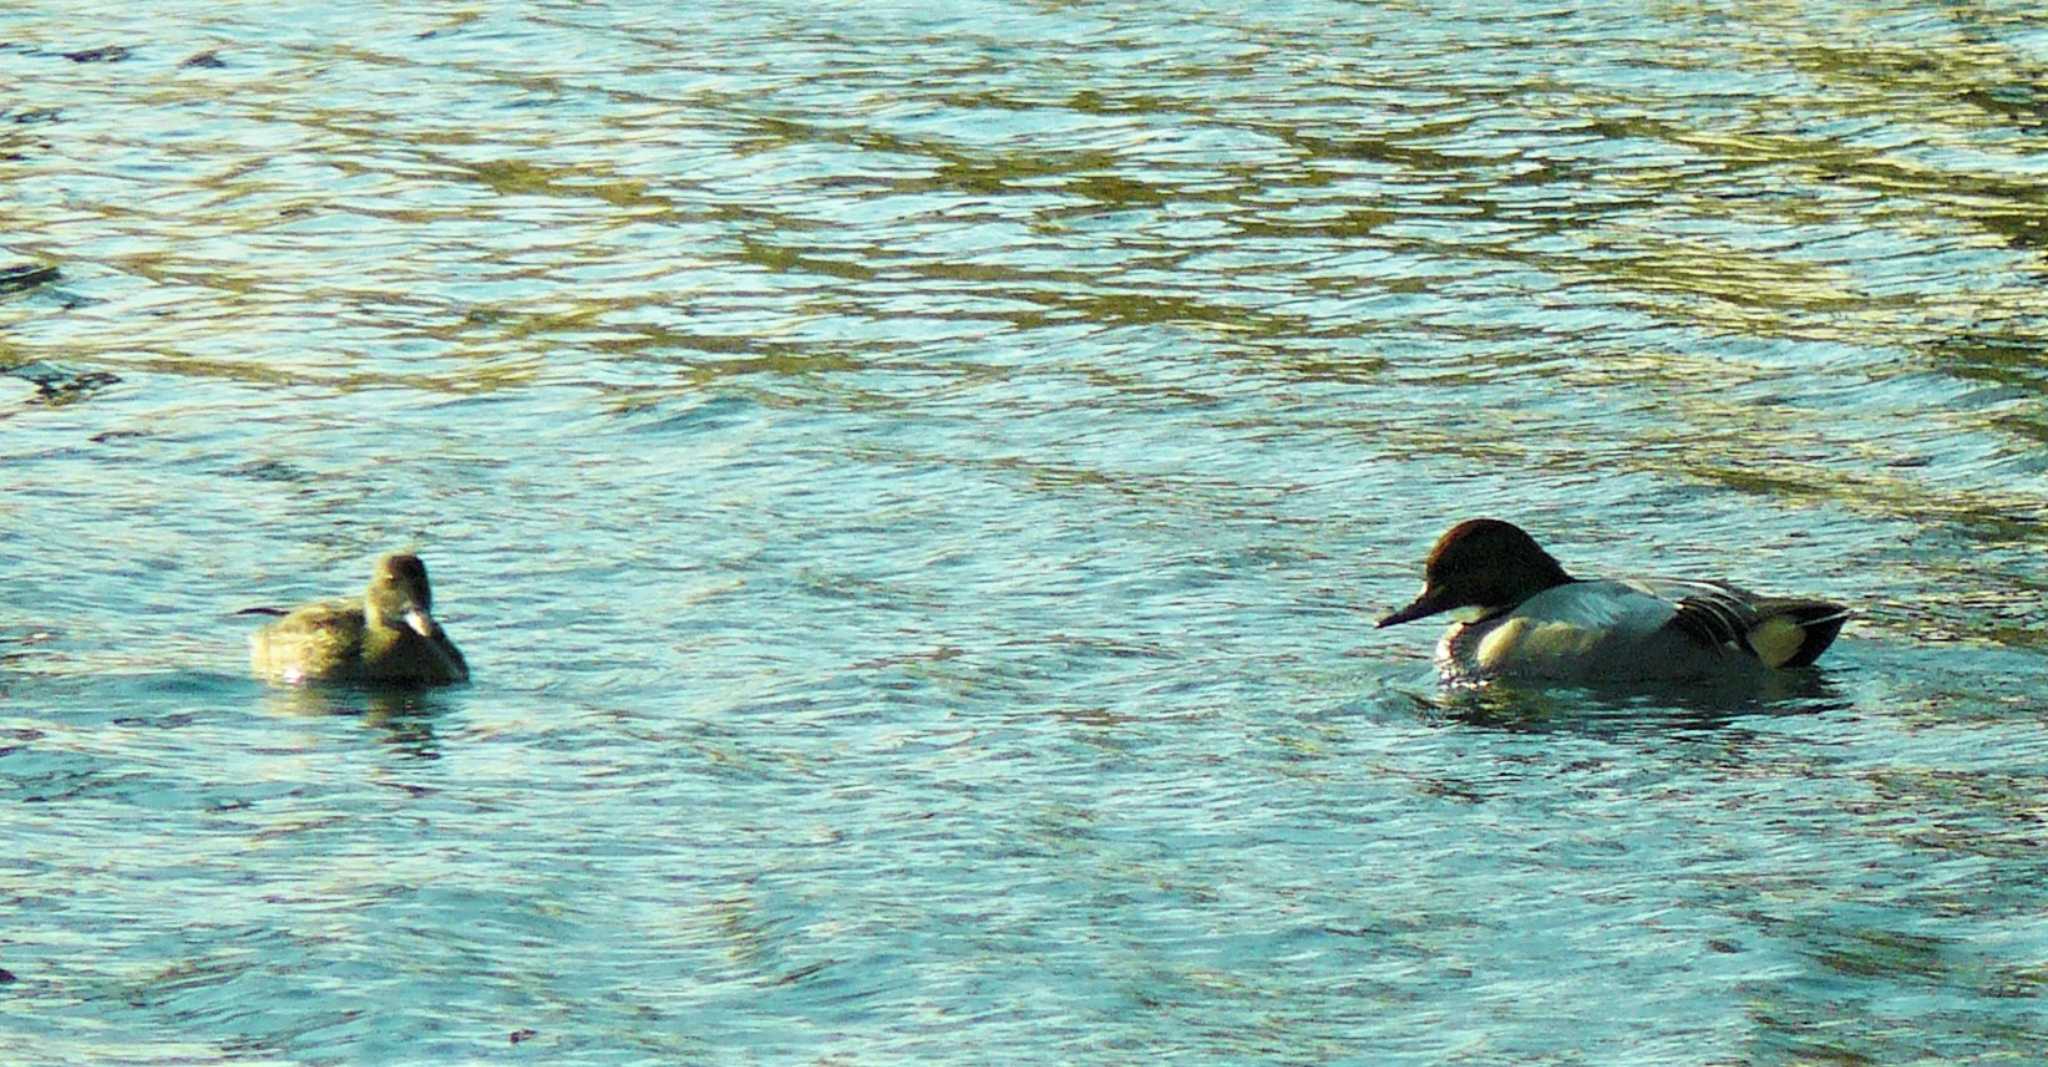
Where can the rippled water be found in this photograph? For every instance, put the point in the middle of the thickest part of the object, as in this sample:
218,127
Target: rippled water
914,483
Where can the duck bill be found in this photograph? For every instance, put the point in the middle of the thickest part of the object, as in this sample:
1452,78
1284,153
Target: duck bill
1429,603
421,623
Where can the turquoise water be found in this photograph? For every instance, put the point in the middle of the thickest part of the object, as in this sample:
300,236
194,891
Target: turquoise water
914,483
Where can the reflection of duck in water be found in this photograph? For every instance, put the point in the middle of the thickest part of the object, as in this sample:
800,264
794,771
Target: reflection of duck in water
387,637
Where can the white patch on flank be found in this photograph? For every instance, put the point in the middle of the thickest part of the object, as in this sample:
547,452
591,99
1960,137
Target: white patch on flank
1567,622
1499,646
1520,641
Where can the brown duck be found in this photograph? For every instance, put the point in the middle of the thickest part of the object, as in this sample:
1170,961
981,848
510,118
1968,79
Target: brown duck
388,637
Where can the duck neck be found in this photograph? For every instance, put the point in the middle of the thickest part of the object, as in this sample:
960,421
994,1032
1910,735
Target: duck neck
1536,581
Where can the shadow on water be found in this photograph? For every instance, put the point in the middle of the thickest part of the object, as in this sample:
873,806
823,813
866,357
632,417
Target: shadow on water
161,699
1613,711
178,698
404,715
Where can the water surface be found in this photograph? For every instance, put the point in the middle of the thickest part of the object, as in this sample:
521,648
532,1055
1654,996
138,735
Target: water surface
913,483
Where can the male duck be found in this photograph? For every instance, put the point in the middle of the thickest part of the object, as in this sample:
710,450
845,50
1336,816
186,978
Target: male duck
387,637
1529,619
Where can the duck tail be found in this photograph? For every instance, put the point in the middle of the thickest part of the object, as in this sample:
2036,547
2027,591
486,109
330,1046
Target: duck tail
1793,633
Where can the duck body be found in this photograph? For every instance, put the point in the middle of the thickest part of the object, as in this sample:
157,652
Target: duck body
1525,617
387,638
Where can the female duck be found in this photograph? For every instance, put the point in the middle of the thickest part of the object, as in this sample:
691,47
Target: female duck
1527,618
388,637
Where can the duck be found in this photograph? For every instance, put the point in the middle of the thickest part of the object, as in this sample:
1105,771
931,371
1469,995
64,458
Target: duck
389,637
1520,615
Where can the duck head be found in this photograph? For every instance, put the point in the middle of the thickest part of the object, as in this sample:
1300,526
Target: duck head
1485,564
398,595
